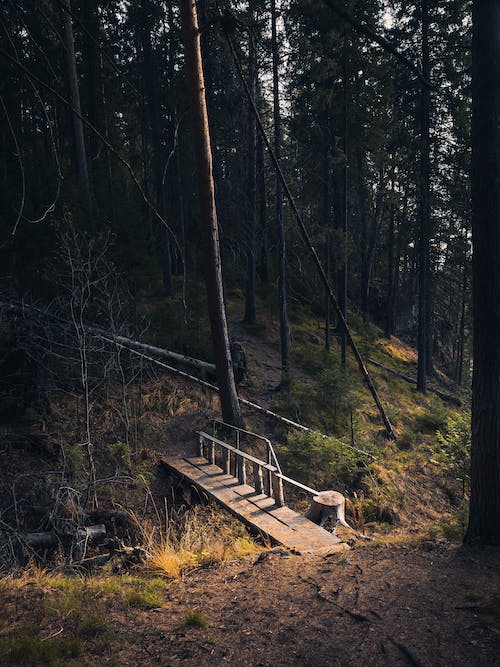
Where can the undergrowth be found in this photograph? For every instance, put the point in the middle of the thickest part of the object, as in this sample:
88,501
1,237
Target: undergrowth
193,538
312,458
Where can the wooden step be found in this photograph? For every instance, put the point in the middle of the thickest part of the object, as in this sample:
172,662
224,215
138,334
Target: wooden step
280,525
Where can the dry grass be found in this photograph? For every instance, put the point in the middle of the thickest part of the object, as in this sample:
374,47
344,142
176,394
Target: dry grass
198,537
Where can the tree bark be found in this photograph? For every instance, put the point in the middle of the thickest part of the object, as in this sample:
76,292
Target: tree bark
484,516
74,95
264,241
424,342
150,88
251,199
213,270
345,211
280,222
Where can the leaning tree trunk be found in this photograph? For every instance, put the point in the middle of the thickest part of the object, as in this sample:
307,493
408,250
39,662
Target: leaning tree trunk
280,222
74,96
213,271
484,517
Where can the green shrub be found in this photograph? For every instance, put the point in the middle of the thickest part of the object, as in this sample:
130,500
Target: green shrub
120,451
453,528
433,418
312,458
453,447
74,457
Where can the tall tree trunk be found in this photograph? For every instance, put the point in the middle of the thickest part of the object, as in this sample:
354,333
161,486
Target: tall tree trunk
74,96
327,226
280,221
461,332
424,213
345,210
251,199
149,75
175,171
93,72
484,516
389,314
213,271
376,221
264,240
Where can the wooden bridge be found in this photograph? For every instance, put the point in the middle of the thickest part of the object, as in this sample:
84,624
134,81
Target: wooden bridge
251,488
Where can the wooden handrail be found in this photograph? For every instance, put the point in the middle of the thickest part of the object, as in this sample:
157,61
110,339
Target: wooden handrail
289,480
263,438
239,452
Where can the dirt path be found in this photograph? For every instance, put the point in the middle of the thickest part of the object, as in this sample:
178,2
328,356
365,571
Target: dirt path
432,605
262,356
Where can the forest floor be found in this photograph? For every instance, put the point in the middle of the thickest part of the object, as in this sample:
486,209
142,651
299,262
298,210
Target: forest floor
428,604
412,596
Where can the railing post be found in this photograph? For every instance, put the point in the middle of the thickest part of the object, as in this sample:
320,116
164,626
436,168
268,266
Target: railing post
268,475
201,441
258,480
279,494
242,470
212,453
227,461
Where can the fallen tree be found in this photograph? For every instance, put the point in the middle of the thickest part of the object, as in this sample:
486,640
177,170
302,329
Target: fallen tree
21,308
445,397
150,353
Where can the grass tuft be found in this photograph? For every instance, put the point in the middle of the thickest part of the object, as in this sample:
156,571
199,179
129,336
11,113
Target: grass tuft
26,648
200,537
193,618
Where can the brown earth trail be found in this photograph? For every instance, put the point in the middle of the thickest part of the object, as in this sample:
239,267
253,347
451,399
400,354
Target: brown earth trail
427,605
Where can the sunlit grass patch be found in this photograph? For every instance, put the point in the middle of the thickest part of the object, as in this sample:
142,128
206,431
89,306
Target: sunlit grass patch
200,538
145,599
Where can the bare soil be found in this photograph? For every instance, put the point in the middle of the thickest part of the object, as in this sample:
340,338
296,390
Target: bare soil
432,604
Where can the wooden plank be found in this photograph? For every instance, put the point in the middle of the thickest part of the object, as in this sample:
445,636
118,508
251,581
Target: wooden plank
220,487
265,505
281,524
284,514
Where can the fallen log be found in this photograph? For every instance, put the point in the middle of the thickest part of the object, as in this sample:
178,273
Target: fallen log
129,343
247,403
408,378
138,348
44,540
158,351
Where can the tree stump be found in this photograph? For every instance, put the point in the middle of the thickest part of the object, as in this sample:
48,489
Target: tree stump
325,505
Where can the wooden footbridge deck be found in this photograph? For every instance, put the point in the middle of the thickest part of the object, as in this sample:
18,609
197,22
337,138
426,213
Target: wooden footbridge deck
260,504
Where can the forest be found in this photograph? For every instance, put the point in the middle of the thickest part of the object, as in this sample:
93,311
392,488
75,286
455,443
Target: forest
249,332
